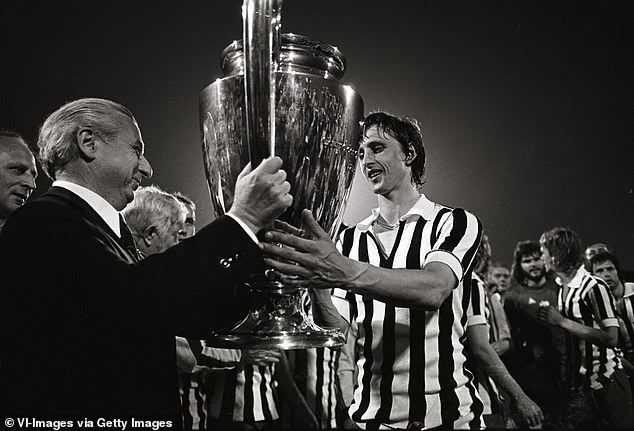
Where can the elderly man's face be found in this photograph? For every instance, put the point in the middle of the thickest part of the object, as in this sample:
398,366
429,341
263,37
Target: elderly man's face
189,226
167,239
17,175
122,165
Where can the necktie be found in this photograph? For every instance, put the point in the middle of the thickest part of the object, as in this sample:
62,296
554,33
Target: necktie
128,240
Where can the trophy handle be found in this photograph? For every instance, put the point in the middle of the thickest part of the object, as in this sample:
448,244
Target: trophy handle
261,24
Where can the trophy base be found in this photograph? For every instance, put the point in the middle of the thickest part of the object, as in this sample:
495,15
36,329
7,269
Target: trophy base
307,340
277,320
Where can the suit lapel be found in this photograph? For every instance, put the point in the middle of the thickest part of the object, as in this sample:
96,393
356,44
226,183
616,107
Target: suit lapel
93,220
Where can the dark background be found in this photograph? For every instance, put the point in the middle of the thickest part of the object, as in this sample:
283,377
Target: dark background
526,106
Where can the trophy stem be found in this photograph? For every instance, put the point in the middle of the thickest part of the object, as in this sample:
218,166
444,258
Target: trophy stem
278,320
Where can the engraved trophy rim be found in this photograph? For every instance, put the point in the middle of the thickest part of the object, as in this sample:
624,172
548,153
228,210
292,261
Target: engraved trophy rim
297,53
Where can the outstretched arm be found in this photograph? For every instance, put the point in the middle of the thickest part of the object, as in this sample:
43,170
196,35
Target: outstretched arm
491,364
606,337
317,260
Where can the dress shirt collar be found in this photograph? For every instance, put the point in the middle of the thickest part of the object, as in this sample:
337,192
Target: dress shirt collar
423,207
99,204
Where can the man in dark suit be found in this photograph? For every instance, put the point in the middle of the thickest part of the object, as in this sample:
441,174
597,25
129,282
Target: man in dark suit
86,328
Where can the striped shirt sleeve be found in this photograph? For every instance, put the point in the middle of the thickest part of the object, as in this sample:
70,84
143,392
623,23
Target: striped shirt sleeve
457,241
194,355
601,303
476,310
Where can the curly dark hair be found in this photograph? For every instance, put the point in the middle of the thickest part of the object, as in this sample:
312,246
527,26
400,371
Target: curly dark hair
406,131
523,249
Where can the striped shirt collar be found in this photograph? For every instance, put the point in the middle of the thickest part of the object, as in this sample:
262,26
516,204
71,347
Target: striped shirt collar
99,204
423,207
577,280
628,289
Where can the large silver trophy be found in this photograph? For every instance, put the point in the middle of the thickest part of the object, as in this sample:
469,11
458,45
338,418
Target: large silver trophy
281,95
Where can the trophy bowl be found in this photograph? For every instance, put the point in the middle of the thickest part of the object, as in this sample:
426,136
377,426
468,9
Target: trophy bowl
316,133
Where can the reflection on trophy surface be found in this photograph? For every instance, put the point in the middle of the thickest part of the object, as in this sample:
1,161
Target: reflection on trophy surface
304,115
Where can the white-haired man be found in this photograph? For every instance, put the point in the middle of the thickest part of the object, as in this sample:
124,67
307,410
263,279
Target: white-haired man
79,313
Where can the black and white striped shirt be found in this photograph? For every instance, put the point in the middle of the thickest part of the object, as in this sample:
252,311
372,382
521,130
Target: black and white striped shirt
589,302
316,377
479,312
192,358
246,394
411,362
625,309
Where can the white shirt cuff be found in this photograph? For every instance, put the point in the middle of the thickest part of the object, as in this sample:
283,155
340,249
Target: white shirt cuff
447,258
610,321
476,319
244,226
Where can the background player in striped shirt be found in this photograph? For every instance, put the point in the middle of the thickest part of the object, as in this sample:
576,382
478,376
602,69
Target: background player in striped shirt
499,391
606,266
403,280
588,316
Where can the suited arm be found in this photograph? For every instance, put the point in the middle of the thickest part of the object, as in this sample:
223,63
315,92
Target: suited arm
193,288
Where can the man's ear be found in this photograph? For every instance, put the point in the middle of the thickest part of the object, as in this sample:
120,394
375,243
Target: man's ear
86,143
149,235
411,155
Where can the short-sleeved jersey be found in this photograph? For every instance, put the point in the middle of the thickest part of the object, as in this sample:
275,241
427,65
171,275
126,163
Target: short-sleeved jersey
479,313
192,358
589,302
625,310
411,363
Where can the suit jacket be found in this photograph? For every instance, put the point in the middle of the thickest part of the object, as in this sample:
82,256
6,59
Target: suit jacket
84,329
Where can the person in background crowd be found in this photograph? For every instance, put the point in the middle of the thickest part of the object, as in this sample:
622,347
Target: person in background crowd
606,266
190,384
601,247
500,393
156,219
400,271
499,330
17,173
538,348
91,314
189,227
249,397
498,279
586,312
